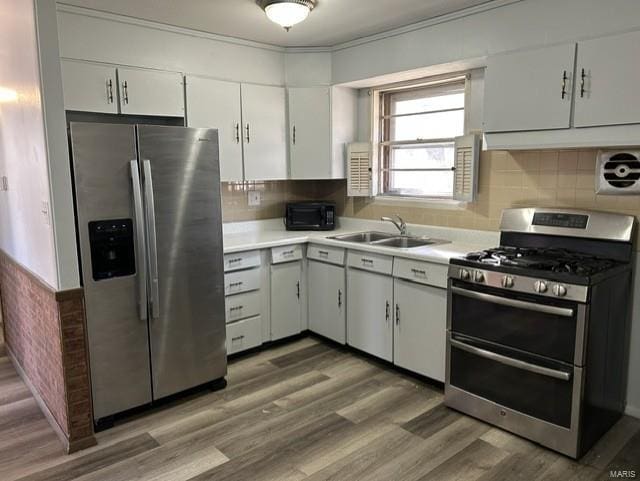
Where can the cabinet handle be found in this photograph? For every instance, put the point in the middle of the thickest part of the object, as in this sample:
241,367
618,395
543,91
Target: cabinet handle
583,75
235,284
239,338
419,272
397,314
110,91
339,298
248,134
386,313
298,289
237,133
125,92
564,84
236,308
323,253
294,135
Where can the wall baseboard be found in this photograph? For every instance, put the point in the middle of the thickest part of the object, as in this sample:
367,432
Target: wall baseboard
69,446
632,411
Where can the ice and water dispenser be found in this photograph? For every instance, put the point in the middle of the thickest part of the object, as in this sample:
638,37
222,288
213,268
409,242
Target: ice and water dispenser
112,248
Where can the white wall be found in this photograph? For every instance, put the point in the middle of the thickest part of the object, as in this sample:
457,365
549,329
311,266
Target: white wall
119,40
26,232
515,26
307,69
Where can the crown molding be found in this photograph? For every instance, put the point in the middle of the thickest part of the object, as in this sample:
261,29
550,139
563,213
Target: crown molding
89,12
114,17
466,12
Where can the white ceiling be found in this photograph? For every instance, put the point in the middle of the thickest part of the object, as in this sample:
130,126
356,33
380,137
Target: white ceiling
332,22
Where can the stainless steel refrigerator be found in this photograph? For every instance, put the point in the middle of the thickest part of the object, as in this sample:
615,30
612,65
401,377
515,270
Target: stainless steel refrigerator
150,244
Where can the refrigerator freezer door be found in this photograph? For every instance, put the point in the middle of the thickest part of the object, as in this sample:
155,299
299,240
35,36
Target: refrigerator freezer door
118,337
187,322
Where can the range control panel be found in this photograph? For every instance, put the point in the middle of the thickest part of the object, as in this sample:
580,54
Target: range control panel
112,248
552,219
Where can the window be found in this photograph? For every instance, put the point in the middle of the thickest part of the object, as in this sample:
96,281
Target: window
417,129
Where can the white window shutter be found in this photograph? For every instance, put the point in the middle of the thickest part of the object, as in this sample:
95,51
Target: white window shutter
359,170
467,159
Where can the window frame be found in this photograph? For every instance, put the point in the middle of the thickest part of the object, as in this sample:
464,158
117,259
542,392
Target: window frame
381,125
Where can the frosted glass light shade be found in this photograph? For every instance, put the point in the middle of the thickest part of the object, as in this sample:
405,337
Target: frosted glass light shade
287,14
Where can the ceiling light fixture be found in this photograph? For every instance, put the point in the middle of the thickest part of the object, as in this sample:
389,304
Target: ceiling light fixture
287,13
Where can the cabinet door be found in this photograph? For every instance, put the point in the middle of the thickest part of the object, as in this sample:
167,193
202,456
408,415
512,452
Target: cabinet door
524,90
310,133
611,79
285,299
146,92
89,87
216,104
264,132
369,305
327,314
420,328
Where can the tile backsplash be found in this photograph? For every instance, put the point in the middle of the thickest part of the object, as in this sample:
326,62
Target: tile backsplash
559,178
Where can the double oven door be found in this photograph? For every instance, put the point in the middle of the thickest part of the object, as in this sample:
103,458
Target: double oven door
516,360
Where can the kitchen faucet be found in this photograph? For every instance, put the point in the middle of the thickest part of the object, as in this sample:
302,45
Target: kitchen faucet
400,223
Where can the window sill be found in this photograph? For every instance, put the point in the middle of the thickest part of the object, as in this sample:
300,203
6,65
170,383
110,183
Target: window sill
445,204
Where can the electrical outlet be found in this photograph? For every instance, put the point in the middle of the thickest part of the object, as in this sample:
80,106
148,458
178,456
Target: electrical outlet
255,198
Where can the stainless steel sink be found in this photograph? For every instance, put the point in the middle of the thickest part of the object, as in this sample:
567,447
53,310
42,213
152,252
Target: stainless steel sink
406,242
364,237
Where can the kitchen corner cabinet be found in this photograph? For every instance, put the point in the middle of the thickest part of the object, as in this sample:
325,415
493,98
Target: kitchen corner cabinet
264,132
216,104
327,302
607,79
321,121
529,90
286,306
150,92
369,317
419,338
89,87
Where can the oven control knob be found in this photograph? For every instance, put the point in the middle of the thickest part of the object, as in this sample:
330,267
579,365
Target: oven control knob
540,287
559,290
479,276
465,275
507,282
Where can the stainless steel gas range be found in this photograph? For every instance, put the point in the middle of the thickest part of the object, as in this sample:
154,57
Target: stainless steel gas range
538,328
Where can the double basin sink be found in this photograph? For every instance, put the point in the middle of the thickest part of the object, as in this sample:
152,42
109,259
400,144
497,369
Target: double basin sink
385,239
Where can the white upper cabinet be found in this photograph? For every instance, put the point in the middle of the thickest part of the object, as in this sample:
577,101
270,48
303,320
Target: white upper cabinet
264,132
322,120
147,92
89,87
529,90
310,132
216,104
607,80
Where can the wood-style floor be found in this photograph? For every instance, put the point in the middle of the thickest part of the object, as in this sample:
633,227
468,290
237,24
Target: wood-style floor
303,410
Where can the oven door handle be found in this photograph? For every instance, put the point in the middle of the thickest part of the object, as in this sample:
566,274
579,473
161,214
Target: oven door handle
508,361
530,306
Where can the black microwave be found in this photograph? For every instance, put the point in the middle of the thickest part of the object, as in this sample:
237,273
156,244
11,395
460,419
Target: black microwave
310,216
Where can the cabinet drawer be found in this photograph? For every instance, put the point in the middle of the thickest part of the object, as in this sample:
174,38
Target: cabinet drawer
243,335
241,281
286,254
241,260
242,306
421,272
332,255
370,262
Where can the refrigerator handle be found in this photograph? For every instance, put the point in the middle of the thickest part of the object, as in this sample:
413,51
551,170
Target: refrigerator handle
141,254
151,236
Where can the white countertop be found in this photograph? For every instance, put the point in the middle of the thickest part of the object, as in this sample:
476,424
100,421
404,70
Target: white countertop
243,236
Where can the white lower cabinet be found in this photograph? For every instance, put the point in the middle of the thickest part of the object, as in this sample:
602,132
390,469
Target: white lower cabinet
327,313
369,317
286,306
243,335
419,328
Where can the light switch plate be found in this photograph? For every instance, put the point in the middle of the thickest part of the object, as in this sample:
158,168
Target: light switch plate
255,198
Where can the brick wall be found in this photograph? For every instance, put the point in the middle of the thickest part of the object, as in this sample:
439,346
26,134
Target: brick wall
45,336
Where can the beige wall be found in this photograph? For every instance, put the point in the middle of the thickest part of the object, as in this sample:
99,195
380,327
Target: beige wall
507,179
